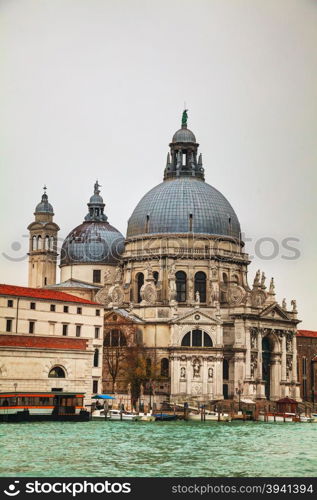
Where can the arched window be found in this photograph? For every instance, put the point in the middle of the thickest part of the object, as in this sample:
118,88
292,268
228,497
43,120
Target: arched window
57,372
200,285
115,338
156,277
180,286
39,243
235,279
164,367
96,358
47,243
148,367
225,369
34,243
196,338
225,278
140,282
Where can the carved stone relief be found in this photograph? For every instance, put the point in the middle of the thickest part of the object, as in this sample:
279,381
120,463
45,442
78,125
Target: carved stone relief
116,294
148,293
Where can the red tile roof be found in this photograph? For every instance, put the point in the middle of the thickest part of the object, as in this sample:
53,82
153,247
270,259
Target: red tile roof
27,341
41,293
306,333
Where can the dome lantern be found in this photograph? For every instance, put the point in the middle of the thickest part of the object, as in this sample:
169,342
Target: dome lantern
44,207
183,157
96,206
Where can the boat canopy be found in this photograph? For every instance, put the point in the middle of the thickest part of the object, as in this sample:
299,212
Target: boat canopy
102,396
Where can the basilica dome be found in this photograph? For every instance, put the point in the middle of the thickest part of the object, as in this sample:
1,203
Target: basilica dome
94,241
184,205
184,202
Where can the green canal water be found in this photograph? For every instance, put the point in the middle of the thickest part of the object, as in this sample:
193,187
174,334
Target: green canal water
158,449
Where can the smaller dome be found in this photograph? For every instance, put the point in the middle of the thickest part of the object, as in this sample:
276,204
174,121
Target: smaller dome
184,135
96,198
92,243
44,206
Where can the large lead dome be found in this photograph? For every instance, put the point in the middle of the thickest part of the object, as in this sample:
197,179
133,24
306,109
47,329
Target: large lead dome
182,206
184,202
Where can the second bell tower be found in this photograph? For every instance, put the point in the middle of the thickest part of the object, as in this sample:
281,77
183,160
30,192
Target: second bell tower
43,245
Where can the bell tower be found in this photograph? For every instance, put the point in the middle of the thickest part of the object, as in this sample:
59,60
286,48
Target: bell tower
43,245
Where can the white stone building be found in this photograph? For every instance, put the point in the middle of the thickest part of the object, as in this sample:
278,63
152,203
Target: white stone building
49,340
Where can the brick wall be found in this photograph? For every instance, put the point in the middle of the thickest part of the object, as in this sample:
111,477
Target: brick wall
307,349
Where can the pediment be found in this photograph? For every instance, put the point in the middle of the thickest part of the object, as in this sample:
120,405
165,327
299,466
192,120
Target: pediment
274,311
195,317
121,316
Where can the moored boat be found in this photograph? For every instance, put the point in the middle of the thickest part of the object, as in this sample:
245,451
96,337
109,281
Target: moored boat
306,419
146,417
278,417
166,417
34,406
211,416
120,415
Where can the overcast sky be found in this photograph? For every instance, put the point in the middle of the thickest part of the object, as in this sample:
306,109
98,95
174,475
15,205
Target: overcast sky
94,89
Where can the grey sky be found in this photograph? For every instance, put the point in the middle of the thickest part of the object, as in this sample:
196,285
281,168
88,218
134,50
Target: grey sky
95,89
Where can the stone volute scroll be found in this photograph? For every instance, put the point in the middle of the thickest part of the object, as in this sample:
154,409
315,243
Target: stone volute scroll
102,295
148,294
148,291
116,291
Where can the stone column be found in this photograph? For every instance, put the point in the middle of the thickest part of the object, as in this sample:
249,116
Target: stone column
219,336
294,370
173,379
283,377
176,374
218,378
204,367
275,376
259,343
247,354
189,375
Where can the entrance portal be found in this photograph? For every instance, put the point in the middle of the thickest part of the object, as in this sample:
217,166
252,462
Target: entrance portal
266,365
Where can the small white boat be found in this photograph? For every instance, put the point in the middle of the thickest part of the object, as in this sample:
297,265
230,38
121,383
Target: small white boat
314,417
146,417
98,415
103,415
209,416
305,419
121,415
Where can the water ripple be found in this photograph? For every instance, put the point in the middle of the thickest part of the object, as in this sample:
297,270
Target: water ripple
158,449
